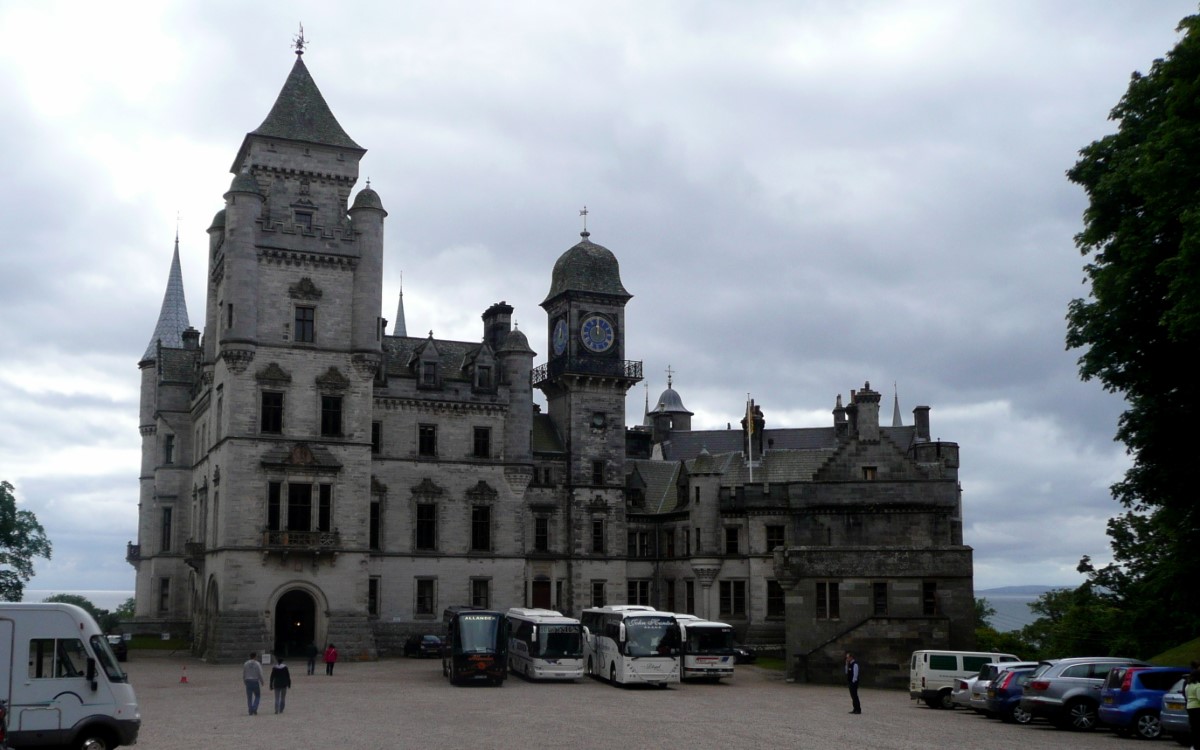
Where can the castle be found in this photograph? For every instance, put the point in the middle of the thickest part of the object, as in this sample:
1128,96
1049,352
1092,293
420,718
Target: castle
308,476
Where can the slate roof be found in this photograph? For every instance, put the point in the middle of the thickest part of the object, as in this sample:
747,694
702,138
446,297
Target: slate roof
687,444
172,317
452,355
545,438
587,267
301,114
661,478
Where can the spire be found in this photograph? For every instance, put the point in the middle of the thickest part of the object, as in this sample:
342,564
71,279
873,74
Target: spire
896,421
400,328
173,317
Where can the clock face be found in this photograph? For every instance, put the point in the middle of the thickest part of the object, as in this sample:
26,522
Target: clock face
560,337
597,334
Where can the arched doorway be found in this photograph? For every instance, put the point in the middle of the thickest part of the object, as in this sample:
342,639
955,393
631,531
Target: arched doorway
295,623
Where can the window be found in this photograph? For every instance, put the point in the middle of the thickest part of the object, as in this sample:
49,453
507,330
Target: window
331,416
480,592
731,540
869,473
483,377
304,221
271,412
689,595
306,324
229,315
429,373
639,544
775,605
426,596
426,526
929,598
598,594
274,490
169,449
598,536
733,598
774,537
164,595
698,544
670,585
373,596
483,442
50,658
597,472
325,507
481,528
637,592
373,530
687,541
828,606
879,598
376,437
668,543
166,529
697,496
427,440
299,507
541,534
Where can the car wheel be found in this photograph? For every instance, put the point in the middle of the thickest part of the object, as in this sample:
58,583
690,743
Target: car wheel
1021,716
1081,716
94,741
1146,726
947,701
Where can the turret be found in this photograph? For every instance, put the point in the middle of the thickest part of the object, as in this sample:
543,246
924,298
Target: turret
867,417
237,319
367,215
516,362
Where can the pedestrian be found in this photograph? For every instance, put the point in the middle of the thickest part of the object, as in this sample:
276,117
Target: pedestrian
253,677
330,659
1192,693
852,682
281,680
311,652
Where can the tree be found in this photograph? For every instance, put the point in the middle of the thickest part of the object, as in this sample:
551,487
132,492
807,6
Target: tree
107,621
1139,324
22,538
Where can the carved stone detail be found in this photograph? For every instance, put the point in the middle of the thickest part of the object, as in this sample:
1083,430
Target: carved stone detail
306,290
237,360
273,374
366,365
333,380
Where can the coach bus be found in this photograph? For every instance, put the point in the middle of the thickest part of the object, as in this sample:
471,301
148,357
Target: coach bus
707,648
543,644
476,647
630,643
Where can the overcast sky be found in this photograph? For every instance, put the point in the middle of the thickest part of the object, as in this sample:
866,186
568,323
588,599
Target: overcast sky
803,196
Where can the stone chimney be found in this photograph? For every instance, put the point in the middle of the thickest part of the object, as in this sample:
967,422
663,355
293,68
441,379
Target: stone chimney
867,419
497,321
921,422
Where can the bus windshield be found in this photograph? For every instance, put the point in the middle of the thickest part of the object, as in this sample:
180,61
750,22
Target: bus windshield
477,633
712,641
651,636
560,641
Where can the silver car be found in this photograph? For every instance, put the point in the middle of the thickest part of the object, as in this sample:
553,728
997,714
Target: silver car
1173,718
1067,691
987,673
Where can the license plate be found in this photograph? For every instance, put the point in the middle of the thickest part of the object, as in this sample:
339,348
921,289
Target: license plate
1174,706
1108,700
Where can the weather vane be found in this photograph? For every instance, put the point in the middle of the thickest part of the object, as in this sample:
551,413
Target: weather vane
584,214
299,41
670,372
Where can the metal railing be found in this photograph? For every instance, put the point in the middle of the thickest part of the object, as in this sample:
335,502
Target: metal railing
614,368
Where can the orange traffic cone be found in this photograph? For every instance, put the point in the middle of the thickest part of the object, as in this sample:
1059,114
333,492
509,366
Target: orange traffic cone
183,678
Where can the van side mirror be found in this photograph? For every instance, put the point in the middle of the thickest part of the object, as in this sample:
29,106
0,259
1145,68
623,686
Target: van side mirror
91,672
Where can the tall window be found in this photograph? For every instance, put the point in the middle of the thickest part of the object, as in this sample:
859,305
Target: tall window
598,594
687,541
376,437
373,596
373,531
331,416
483,377
426,526
637,592
541,534
306,324
597,472
598,536
483,442
273,492
299,507
427,440
639,544
325,507
164,595
731,540
668,543
481,528
775,606
774,537
168,449
879,598
733,598
828,605
670,585
167,512
481,592
426,596
689,595
271,412
929,598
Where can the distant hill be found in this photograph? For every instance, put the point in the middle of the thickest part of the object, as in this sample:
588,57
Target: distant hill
1016,591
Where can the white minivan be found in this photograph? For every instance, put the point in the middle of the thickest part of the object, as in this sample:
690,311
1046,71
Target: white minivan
932,673
61,682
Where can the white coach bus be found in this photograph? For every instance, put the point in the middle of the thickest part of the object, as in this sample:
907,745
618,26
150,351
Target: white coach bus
707,648
543,644
631,643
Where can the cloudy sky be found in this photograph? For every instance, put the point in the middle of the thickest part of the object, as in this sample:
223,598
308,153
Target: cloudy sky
803,196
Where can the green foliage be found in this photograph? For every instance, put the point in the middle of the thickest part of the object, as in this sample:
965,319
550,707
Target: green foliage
1182,655
106,620
1140,322
22,538
984,612
126,611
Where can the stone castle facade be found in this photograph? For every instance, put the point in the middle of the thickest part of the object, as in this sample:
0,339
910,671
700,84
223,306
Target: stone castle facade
309,477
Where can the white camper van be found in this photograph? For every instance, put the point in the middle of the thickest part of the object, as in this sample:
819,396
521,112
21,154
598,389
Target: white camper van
60,681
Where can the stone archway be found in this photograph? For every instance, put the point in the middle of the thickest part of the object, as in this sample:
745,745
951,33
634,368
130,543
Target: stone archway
295,623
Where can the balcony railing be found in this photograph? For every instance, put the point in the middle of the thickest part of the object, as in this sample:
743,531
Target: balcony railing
133,553
614,368
297,541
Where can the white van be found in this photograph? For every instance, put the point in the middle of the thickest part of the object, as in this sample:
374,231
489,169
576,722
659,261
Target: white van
932,673
61,681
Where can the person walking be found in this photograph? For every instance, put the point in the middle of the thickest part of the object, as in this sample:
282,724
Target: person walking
852,682
1191,691
252,675
281,680
330,659
311,652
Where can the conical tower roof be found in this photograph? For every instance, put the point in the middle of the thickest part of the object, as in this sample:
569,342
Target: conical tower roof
400,328
173,317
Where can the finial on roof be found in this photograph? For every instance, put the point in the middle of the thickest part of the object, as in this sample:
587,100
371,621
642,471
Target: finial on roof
300,41
670,372
585,233
368,183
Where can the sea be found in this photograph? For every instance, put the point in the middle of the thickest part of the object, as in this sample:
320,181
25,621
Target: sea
1012,605
109,600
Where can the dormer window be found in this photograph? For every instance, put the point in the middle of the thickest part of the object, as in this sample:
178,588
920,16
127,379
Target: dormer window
428,374
483,377
304,221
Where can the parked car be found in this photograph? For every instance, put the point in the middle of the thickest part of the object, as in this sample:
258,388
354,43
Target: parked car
1004,695
1067,691
119,648
424,645
743,655
1173,717
983,680
1131,699
960,693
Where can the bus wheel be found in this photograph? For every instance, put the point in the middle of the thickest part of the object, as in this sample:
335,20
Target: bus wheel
612,673
591,672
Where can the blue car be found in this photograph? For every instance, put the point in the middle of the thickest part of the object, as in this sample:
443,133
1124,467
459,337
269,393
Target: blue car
1004,695
1131,699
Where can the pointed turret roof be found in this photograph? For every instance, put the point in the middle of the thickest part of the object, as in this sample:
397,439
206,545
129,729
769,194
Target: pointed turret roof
896,420
400,328
173,317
